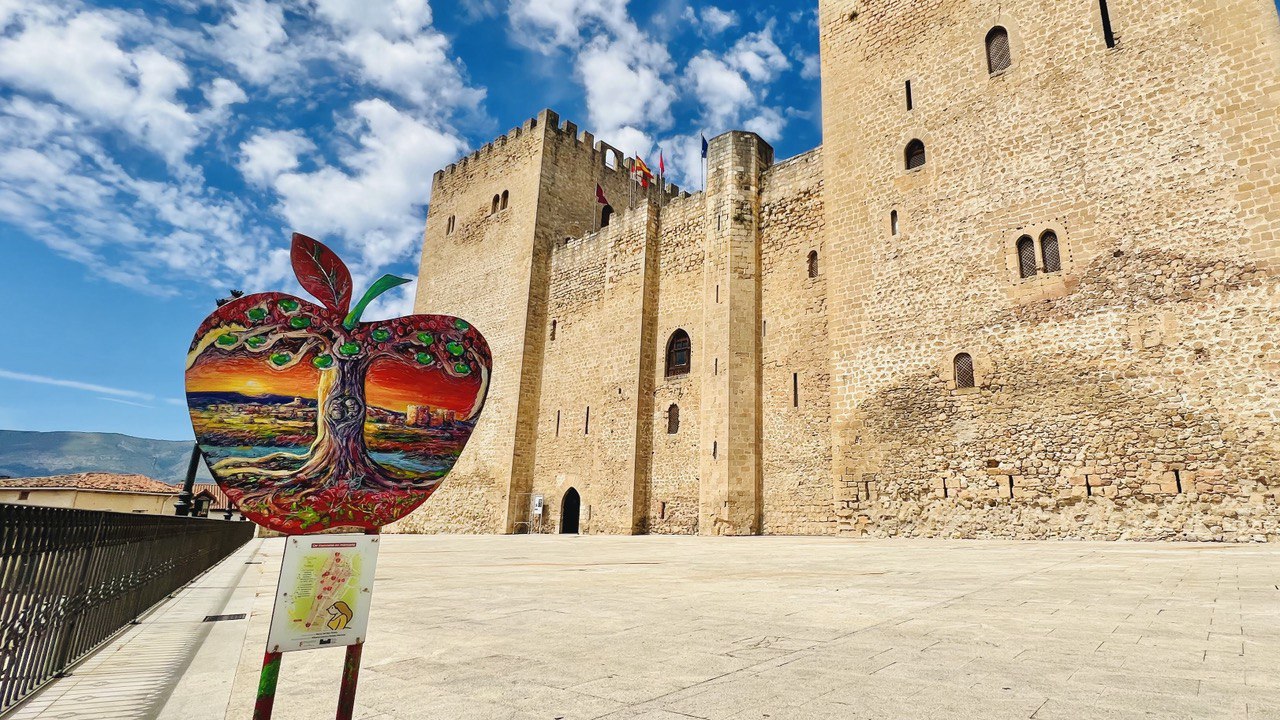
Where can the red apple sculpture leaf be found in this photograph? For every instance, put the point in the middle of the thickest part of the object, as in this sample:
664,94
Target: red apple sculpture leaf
310,419
322,273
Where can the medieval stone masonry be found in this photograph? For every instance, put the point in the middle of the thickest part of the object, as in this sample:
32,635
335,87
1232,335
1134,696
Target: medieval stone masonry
1029,287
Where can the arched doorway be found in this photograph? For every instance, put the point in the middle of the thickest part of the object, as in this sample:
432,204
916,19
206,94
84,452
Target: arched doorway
569,511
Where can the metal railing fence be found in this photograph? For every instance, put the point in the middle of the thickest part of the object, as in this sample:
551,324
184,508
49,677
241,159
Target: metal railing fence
71,579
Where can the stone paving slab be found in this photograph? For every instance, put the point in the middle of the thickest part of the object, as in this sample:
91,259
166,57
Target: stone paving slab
673,628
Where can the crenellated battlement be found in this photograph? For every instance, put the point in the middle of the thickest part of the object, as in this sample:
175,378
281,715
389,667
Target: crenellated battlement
512,135
609,158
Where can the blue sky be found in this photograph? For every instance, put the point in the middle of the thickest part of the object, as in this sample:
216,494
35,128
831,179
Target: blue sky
154,155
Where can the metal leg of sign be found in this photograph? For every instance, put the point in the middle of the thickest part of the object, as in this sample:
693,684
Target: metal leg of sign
350,676
267,686
351,672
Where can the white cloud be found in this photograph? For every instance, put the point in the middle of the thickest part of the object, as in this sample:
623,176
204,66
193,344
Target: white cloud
733,88
97,91
127,402
711,20
77,59
391,18
268,154
74,385
624,84
811,66
374,198
419,69
253,39
546,25
61,183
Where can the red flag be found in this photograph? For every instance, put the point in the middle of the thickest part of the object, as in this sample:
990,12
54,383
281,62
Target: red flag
600,198
662,164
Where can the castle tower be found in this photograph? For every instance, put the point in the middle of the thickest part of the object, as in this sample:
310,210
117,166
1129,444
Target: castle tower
1052,227
493,217
730,463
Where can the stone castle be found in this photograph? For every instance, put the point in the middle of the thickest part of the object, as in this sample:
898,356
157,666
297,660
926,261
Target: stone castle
1028,287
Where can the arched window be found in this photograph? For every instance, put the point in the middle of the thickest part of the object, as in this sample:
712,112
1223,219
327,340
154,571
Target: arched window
893,222
1026,257
679,354
998,56
673,419
494,210
813,263
914,154
506,196
450,225
606,215
963,365
1049,252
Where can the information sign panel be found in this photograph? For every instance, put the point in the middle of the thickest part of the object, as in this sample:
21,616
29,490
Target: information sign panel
326,585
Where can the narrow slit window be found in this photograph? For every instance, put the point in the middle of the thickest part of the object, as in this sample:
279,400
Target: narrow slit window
553,330
557,423
893,222
1108,33
813,264
715,449
506,196
795,389
963,365
910,104
496,200
999,57
1049,252
673,419
586,427
1026,257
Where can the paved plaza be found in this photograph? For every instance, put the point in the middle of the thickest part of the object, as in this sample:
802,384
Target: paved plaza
672,628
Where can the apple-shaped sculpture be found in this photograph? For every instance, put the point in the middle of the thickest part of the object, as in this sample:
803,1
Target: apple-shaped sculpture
310,419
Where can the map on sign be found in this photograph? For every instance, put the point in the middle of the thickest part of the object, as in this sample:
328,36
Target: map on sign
326,585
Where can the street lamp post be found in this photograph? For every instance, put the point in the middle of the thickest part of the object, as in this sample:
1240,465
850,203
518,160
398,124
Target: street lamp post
183,506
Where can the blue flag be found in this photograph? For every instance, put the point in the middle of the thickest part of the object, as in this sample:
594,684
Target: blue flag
705,145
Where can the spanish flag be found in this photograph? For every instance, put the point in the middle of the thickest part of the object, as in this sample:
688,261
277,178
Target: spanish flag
643,171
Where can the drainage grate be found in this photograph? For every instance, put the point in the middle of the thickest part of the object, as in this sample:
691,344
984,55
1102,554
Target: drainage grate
220,618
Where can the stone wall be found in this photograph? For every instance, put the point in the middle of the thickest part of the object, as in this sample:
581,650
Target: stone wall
591,397
796,377
674,478
1130,392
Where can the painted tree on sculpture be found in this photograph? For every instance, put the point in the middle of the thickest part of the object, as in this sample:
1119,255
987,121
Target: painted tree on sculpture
284,331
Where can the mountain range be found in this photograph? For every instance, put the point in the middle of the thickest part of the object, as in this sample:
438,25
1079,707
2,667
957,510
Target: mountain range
36,454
